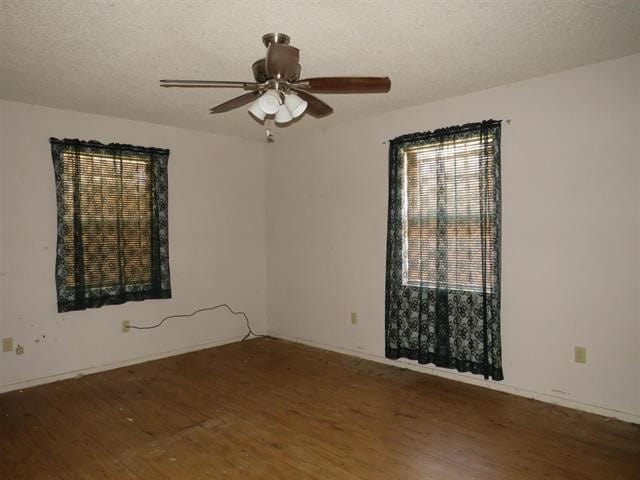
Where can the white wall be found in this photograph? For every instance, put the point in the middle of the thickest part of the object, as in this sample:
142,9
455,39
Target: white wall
216,244
571,238
571,232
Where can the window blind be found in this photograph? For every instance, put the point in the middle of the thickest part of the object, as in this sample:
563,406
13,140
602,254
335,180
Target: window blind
113,203
449,188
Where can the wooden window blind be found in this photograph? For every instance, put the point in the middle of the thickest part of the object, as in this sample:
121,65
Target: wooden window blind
113,199
449,205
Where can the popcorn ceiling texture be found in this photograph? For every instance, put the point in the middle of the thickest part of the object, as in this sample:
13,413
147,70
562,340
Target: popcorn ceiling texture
106,57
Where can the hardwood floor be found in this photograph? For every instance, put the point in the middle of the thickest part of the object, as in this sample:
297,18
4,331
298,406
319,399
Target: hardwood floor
272,409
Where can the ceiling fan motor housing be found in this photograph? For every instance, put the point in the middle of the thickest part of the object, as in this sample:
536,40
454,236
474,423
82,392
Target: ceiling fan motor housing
259,68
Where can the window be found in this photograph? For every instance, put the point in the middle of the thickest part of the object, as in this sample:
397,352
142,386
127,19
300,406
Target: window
450,181
112,223
442,302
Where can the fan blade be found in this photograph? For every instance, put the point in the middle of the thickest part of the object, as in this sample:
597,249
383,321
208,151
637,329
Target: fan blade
345,84
282,61
315,107
234,103
208,84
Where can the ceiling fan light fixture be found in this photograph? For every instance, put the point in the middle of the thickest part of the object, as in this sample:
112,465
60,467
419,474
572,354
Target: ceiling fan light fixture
283,115
270,102
295,105
256,111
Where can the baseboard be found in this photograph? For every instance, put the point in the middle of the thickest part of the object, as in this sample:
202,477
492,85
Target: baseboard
119,364
402,363
459,377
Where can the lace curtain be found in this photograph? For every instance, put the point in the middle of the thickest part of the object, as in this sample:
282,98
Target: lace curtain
112,213
443,249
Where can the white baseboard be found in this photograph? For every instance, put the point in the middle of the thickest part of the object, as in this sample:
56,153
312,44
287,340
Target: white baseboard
402,363
119,364
460,377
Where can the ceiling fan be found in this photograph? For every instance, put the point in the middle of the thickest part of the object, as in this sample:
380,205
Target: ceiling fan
278,89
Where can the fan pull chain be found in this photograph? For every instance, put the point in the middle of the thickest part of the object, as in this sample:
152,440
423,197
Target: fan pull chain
268,133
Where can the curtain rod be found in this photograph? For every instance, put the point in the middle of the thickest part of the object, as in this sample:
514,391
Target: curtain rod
507,121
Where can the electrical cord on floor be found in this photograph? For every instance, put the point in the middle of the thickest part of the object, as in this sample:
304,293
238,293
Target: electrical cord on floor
249,332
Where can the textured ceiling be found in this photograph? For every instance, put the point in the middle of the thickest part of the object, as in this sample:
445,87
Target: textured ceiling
107,56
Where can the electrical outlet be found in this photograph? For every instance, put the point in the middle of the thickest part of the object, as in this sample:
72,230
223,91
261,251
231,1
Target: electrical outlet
7,344
580,355
354,318
125,326
19,350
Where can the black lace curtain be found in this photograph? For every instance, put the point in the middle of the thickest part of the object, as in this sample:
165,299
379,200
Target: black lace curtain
112,203
443,249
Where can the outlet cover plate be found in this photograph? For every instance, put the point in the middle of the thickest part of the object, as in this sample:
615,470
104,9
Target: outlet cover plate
7,344
580,355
